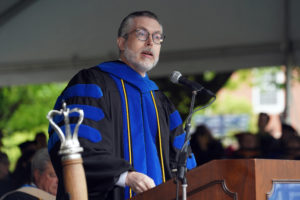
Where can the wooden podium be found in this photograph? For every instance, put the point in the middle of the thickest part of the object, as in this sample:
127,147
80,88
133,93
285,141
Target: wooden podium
236,179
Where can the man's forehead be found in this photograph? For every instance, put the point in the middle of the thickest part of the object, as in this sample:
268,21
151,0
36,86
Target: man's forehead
148,23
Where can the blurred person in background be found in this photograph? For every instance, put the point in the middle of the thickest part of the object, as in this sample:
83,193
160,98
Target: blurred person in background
204,146
269,146
40,140
249,146
22,173
27,146
44,181
290,142
5,176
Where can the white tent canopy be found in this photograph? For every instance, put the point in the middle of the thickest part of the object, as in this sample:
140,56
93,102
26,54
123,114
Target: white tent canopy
47,41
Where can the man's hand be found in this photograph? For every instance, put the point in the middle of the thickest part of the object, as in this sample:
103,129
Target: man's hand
139,182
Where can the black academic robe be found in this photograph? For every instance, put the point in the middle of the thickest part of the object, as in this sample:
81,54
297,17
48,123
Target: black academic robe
129,125
20,196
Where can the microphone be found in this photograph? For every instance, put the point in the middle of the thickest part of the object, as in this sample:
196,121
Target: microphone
176,77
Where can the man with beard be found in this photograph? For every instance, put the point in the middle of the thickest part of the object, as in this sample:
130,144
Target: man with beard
131,133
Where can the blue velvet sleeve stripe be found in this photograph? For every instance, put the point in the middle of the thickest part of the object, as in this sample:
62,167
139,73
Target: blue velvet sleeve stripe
79,90
175,120
84,131
179,141
83,90
90,112
191,162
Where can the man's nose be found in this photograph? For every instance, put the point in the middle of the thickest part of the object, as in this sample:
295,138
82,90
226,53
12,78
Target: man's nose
149,41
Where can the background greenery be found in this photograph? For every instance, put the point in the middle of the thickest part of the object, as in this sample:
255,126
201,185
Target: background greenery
23,111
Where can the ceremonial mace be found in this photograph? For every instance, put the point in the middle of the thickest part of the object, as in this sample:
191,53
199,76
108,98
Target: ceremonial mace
73,172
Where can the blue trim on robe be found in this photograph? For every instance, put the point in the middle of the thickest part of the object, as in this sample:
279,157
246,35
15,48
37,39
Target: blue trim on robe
178,143
90,112
125,128
79,90
29,185
142,117
191,162
84,131
137,126
175,120
151,131
122,71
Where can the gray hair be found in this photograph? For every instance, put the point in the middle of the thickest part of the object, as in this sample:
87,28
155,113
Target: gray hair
40,160
128,20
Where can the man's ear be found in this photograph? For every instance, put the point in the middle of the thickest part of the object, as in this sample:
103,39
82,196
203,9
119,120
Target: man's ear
121,43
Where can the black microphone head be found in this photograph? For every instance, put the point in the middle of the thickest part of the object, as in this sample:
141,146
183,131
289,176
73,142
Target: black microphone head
174,77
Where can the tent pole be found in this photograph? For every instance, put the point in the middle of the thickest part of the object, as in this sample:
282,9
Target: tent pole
288,53
288,94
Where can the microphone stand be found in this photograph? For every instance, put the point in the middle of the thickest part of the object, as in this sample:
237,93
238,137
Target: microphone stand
183,154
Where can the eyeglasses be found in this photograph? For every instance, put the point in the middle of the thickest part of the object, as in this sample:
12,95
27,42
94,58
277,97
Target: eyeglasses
143,35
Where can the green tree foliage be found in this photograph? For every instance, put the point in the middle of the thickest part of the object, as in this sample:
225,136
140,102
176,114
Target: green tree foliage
25,107
23,111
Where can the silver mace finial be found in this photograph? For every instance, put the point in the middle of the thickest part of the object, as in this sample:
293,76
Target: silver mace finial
70,147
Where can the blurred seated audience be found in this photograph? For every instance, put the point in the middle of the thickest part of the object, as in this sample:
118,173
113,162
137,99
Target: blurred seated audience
204,146
248,146
44,180
40,140
6,183
290,141
269,146
22,173
288,131
27,146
